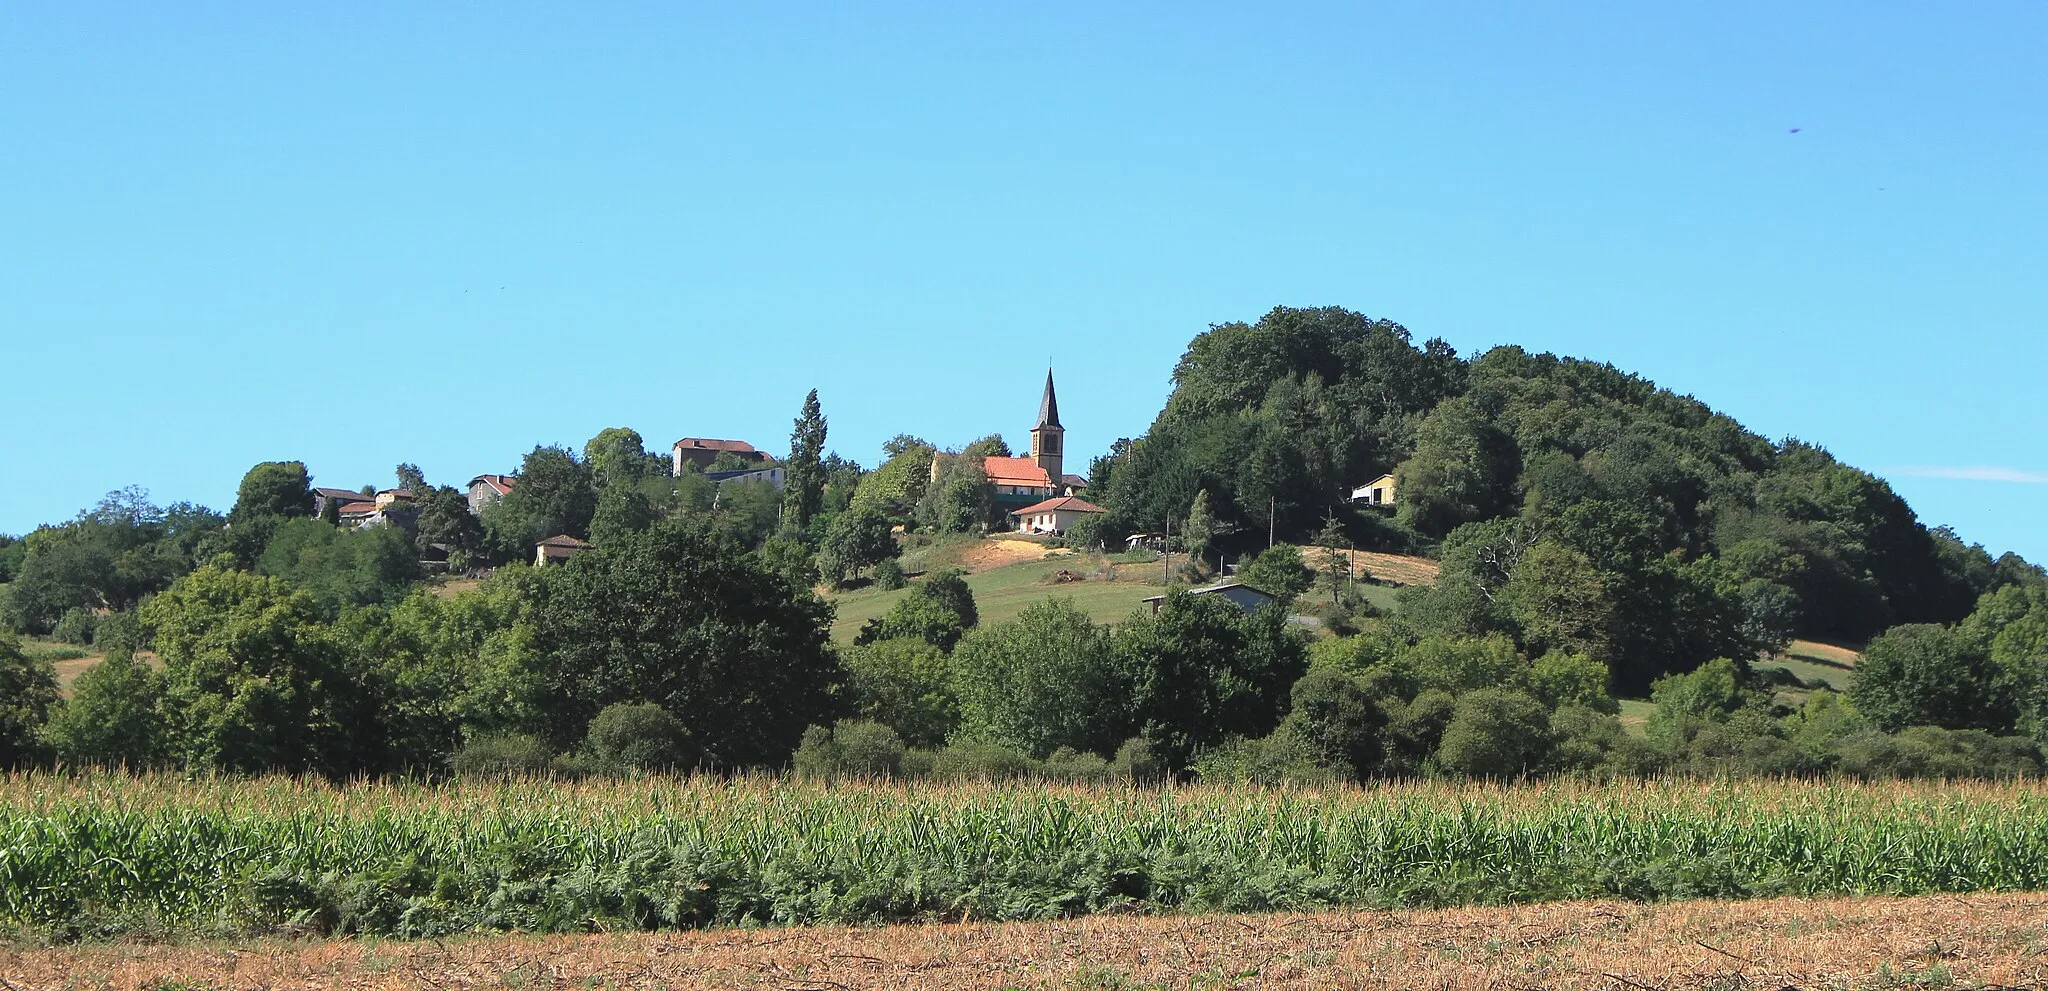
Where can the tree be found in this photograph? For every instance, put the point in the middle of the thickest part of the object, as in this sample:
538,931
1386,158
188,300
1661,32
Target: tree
445,521
621,509
857,539
1339,720
804,477
1039,682
1463,470
639,737
906,684
1559,602
939,610
411,479
895,488
1335,570
1203,670
273,490
1925,675
1200,528
1495,733
254,681
618,456
341,567
991,446
1278,572
957,500
555,496
113,718
731,649
28,689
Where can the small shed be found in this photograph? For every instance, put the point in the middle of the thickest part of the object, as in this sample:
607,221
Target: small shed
557,549
1243,596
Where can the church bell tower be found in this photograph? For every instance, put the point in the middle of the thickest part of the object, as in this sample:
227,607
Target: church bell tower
1048,438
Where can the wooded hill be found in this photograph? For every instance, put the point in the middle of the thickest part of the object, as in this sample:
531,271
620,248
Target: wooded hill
1574,505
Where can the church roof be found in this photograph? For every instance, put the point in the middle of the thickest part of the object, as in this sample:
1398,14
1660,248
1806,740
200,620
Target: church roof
1049,406
1014,471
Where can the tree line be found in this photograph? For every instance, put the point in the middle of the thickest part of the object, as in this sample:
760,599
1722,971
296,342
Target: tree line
1598,538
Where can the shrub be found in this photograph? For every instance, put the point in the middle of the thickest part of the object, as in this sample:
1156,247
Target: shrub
906,684
1495,733
889,575
1338,721
1136,762
1080,767
982,761
851,748
76,626
640,737
499,755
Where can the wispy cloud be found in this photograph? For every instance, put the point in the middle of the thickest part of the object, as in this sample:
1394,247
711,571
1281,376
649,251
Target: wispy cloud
1979,473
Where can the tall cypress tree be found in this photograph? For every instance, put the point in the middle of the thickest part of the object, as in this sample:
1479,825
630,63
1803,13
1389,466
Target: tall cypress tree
804,486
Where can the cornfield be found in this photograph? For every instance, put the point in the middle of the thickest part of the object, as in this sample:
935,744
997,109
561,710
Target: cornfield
98,856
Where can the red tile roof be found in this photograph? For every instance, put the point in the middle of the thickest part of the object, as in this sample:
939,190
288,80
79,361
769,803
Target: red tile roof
501,483
1063,504
1015,471
563,540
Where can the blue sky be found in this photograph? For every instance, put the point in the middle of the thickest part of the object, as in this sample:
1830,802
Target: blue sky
368,233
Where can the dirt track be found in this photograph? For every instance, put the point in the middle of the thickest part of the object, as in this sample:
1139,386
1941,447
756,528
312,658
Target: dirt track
1866,943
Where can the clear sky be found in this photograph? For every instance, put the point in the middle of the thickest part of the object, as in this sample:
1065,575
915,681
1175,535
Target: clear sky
358,234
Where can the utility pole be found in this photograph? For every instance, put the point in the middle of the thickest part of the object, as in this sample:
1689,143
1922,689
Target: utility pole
1271,503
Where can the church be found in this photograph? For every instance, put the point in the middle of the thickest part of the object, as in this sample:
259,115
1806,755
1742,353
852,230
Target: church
1021,483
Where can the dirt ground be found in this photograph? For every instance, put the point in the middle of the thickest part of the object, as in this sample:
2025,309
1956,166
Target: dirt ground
1974,941
1397,567
996,552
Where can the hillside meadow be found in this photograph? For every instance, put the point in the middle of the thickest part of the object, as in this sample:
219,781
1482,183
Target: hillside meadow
108,856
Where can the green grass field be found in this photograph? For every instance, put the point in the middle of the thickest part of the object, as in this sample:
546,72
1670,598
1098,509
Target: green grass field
1002,593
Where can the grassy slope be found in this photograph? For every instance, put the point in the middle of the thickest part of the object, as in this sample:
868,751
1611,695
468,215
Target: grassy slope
1001,593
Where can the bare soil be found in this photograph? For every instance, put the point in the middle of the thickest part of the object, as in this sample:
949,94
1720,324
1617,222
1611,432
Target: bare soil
1972,941
996,552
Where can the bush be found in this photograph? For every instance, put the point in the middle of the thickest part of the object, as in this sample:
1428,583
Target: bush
1136,762
1280,758
851,748
499,755
113,717
1067,764
1338,720
639,737
1495,733
120,632
76,626
982,762
889,575
907,685
1934,752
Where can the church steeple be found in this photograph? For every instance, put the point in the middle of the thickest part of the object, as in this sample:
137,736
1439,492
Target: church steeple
1049,406
1048,437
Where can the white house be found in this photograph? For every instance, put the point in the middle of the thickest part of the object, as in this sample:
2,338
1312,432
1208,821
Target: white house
1378,492
1054,515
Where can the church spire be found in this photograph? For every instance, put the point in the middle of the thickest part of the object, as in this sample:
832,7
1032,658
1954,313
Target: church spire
1049,406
